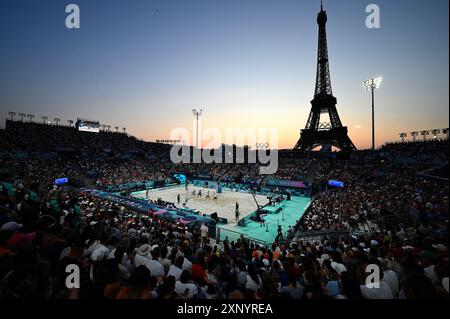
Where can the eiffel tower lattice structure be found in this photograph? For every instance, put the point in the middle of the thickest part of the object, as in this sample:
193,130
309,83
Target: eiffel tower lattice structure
331,133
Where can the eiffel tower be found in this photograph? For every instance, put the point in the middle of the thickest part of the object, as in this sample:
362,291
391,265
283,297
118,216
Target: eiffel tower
315,132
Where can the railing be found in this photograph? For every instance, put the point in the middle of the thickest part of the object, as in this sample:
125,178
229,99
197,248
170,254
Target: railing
427,174
390,221
220,233
321,234
387,222
6,210
307,210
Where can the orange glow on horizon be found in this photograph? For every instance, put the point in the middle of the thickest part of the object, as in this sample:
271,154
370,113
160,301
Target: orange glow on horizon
362,138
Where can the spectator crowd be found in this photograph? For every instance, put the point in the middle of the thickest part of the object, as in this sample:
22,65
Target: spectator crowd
125,255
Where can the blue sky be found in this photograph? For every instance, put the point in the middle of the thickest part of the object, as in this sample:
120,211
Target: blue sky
248,63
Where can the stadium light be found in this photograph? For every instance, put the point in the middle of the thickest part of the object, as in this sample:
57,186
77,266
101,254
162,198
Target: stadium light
370,85
445,131
57,120
124,129
108,127
197,113
44,119
12,114
22,115
116,129
30,117
414,135
435,133
402,136
424,134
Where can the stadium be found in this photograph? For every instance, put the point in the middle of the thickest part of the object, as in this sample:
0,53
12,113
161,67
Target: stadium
131,223
121,212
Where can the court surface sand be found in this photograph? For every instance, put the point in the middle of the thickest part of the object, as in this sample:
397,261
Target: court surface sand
224,205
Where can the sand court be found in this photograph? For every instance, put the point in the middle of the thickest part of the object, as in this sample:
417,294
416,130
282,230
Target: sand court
224,205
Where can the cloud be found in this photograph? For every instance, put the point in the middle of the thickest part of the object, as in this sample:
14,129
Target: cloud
357,126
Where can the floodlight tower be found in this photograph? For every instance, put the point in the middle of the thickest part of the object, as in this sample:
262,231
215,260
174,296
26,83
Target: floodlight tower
12,114
371,85
424,134
445,131
414,135
402,136
197,113
435,133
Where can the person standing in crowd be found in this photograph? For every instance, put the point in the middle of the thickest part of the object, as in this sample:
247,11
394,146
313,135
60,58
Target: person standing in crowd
204,232
279,232
138,287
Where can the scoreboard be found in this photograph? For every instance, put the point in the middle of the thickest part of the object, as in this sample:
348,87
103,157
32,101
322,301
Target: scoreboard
88,126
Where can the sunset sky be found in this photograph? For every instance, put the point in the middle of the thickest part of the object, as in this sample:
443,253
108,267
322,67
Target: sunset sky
145,65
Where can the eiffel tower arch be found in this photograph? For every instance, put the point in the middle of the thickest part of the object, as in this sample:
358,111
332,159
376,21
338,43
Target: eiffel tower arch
317,133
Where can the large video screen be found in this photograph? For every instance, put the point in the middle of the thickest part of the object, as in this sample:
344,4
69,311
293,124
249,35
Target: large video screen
285,183
88,126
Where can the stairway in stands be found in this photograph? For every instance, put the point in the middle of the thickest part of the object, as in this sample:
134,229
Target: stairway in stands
263,182
311,173
86,181
367,226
